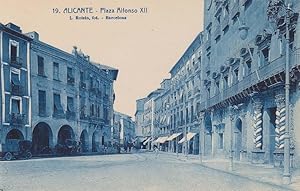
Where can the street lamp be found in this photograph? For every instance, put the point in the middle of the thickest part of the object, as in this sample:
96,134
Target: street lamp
278,9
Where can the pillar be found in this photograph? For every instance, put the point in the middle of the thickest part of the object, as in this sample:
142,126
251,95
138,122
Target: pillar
280,128
257,121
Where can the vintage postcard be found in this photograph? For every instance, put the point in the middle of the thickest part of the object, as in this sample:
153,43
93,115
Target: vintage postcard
147,95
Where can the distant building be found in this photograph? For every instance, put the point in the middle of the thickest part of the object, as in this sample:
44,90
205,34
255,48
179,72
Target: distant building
126,128
139,114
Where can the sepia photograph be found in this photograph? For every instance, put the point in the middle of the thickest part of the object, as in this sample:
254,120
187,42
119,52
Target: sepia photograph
145,95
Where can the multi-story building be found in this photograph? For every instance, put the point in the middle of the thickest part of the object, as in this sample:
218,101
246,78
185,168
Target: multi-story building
139,114
149,118
62,95
15,85
235,99
126,128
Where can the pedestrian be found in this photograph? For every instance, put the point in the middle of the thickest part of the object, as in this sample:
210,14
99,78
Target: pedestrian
156,151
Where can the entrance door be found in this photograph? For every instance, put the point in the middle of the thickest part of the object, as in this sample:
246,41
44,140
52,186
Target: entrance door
238,138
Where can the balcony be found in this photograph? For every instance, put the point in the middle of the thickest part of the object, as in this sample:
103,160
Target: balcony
59,114
70,115
82,85
265,72
71,80
16,90
17,62
235,9
217,31
84,116
17,119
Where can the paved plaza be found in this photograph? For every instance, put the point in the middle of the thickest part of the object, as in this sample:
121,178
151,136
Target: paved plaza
140,171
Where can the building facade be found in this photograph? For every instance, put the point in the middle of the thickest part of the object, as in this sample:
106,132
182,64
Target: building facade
227,90
15,85
72,97
126,128
139,117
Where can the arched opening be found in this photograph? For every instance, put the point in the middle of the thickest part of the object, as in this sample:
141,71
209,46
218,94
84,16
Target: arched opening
14,134
96,141
238,138
84,139
42,138
64,133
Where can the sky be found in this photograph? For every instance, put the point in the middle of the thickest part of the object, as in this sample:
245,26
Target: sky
144,47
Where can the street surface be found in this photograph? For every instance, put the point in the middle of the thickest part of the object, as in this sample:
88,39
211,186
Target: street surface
132,172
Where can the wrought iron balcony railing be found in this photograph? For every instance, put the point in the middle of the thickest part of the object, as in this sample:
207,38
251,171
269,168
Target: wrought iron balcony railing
263,73
59,114
17,62
82,85
70,115
71,80
16,90
17,119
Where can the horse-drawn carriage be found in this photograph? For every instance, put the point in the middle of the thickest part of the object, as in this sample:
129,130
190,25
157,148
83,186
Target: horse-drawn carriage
16,149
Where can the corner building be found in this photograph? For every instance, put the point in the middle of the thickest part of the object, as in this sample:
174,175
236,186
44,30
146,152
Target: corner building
50,95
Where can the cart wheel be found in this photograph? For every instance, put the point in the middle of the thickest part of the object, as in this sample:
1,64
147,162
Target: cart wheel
28,155
8,156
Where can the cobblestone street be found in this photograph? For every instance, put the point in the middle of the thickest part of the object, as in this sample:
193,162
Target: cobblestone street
118,172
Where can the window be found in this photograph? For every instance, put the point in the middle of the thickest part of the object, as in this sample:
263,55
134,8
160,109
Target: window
92,110
236,18
192,113
41,69
70,76
247,67
208,92
187,115
265,53
14,50
15,79
70,104
15,106
42,102
236,75
225,81
226,29
81,76
55,71
217,87
57,103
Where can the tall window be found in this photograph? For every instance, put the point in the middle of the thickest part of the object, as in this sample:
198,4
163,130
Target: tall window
13,51
55,71
70,76
41,69
57,103
15,106
70,104
42,102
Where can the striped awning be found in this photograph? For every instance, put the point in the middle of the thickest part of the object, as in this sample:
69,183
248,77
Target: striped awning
145,142
189,136
173,136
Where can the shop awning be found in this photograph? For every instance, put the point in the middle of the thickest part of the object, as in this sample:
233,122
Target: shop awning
189,136
173,136
145,142
142,139
163,139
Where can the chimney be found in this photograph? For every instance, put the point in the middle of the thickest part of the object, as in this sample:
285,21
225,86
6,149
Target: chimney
14,27
34,35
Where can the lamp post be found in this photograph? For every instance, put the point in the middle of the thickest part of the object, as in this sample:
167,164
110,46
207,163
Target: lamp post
231,116
278,9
